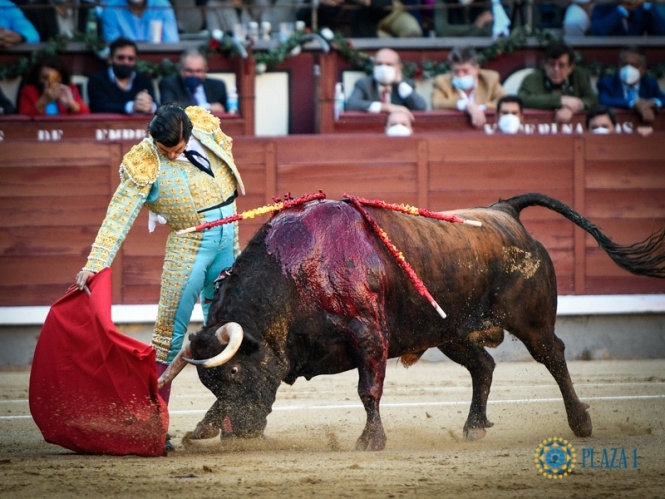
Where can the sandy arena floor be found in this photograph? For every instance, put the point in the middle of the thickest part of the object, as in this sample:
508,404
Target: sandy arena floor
311,435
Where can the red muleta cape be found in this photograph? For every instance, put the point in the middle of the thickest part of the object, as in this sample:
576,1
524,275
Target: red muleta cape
93,390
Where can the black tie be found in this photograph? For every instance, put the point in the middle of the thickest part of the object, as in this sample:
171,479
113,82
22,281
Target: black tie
197,159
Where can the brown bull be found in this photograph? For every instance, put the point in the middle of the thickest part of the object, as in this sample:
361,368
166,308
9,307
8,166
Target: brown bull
316,292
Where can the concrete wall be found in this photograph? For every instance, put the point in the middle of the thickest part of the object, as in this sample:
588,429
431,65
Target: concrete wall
587,337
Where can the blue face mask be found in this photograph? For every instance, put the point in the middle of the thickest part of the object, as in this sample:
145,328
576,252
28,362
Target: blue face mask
192,83
463,82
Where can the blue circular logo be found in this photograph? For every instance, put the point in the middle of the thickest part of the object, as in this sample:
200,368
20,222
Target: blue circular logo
555,458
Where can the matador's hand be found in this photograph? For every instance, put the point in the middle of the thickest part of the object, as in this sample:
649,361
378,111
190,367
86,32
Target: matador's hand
82,277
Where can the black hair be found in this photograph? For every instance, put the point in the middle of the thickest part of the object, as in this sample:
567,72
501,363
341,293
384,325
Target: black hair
510,98
461,55
49,61
556,50
170,125
600,110
121,42
632,49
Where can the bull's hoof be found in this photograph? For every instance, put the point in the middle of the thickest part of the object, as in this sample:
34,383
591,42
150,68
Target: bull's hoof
475,433
204,431
372,440
581,423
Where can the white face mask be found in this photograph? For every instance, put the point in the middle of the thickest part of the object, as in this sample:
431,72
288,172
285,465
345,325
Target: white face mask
600,130
509,123
629,75
398,130
385,75
463,82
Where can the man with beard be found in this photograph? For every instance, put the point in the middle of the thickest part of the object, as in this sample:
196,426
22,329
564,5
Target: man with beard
119,88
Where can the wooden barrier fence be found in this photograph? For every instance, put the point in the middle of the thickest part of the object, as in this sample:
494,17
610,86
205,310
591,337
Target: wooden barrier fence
53,196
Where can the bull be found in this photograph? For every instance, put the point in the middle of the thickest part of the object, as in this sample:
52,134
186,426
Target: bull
315,292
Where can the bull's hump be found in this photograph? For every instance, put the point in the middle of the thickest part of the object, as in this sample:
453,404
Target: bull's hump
327,251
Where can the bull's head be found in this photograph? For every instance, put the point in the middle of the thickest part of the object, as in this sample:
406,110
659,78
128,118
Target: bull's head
231,365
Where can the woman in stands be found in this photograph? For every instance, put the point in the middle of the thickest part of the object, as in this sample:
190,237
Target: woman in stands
48,90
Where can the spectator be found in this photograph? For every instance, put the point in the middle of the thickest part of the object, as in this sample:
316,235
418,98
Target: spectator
191,87
53,18
14,26
577,20
601,119
132,19
48,90
119,88
463,18
510,114
558,85
627,18
631,88
386,90
364,18
225,15
279,11
399,123
6,105
467,87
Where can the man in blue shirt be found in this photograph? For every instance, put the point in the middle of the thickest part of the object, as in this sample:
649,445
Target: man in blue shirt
132,19
631,88
14,27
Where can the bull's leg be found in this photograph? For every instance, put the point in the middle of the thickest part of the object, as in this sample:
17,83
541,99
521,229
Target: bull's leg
481,367
372,357
548,349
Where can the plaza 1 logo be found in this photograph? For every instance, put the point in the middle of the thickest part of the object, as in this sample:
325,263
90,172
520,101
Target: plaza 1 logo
555,458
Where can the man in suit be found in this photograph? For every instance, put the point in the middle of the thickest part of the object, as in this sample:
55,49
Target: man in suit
626,18
467,88
559,85
386,90
631,88
119,88
191,87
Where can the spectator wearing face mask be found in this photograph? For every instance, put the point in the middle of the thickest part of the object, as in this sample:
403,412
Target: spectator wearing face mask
191,87
399,124
386,90
509,114
601,119
467,88
631,88
120,88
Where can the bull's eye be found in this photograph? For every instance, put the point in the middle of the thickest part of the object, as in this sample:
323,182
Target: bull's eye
234,370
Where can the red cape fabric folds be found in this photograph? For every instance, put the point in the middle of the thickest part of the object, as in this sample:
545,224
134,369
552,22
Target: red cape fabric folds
93,390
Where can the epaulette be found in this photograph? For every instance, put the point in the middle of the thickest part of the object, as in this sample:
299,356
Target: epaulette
202,119
141,164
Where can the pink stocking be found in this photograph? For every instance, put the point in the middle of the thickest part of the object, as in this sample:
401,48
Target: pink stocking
165,391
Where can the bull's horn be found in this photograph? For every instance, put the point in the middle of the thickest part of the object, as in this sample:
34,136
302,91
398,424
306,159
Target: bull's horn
230,333
176,366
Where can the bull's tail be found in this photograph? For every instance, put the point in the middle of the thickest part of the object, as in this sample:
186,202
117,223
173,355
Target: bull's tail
643,258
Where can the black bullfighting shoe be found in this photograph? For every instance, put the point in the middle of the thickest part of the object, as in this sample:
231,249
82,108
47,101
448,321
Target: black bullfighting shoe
168,445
